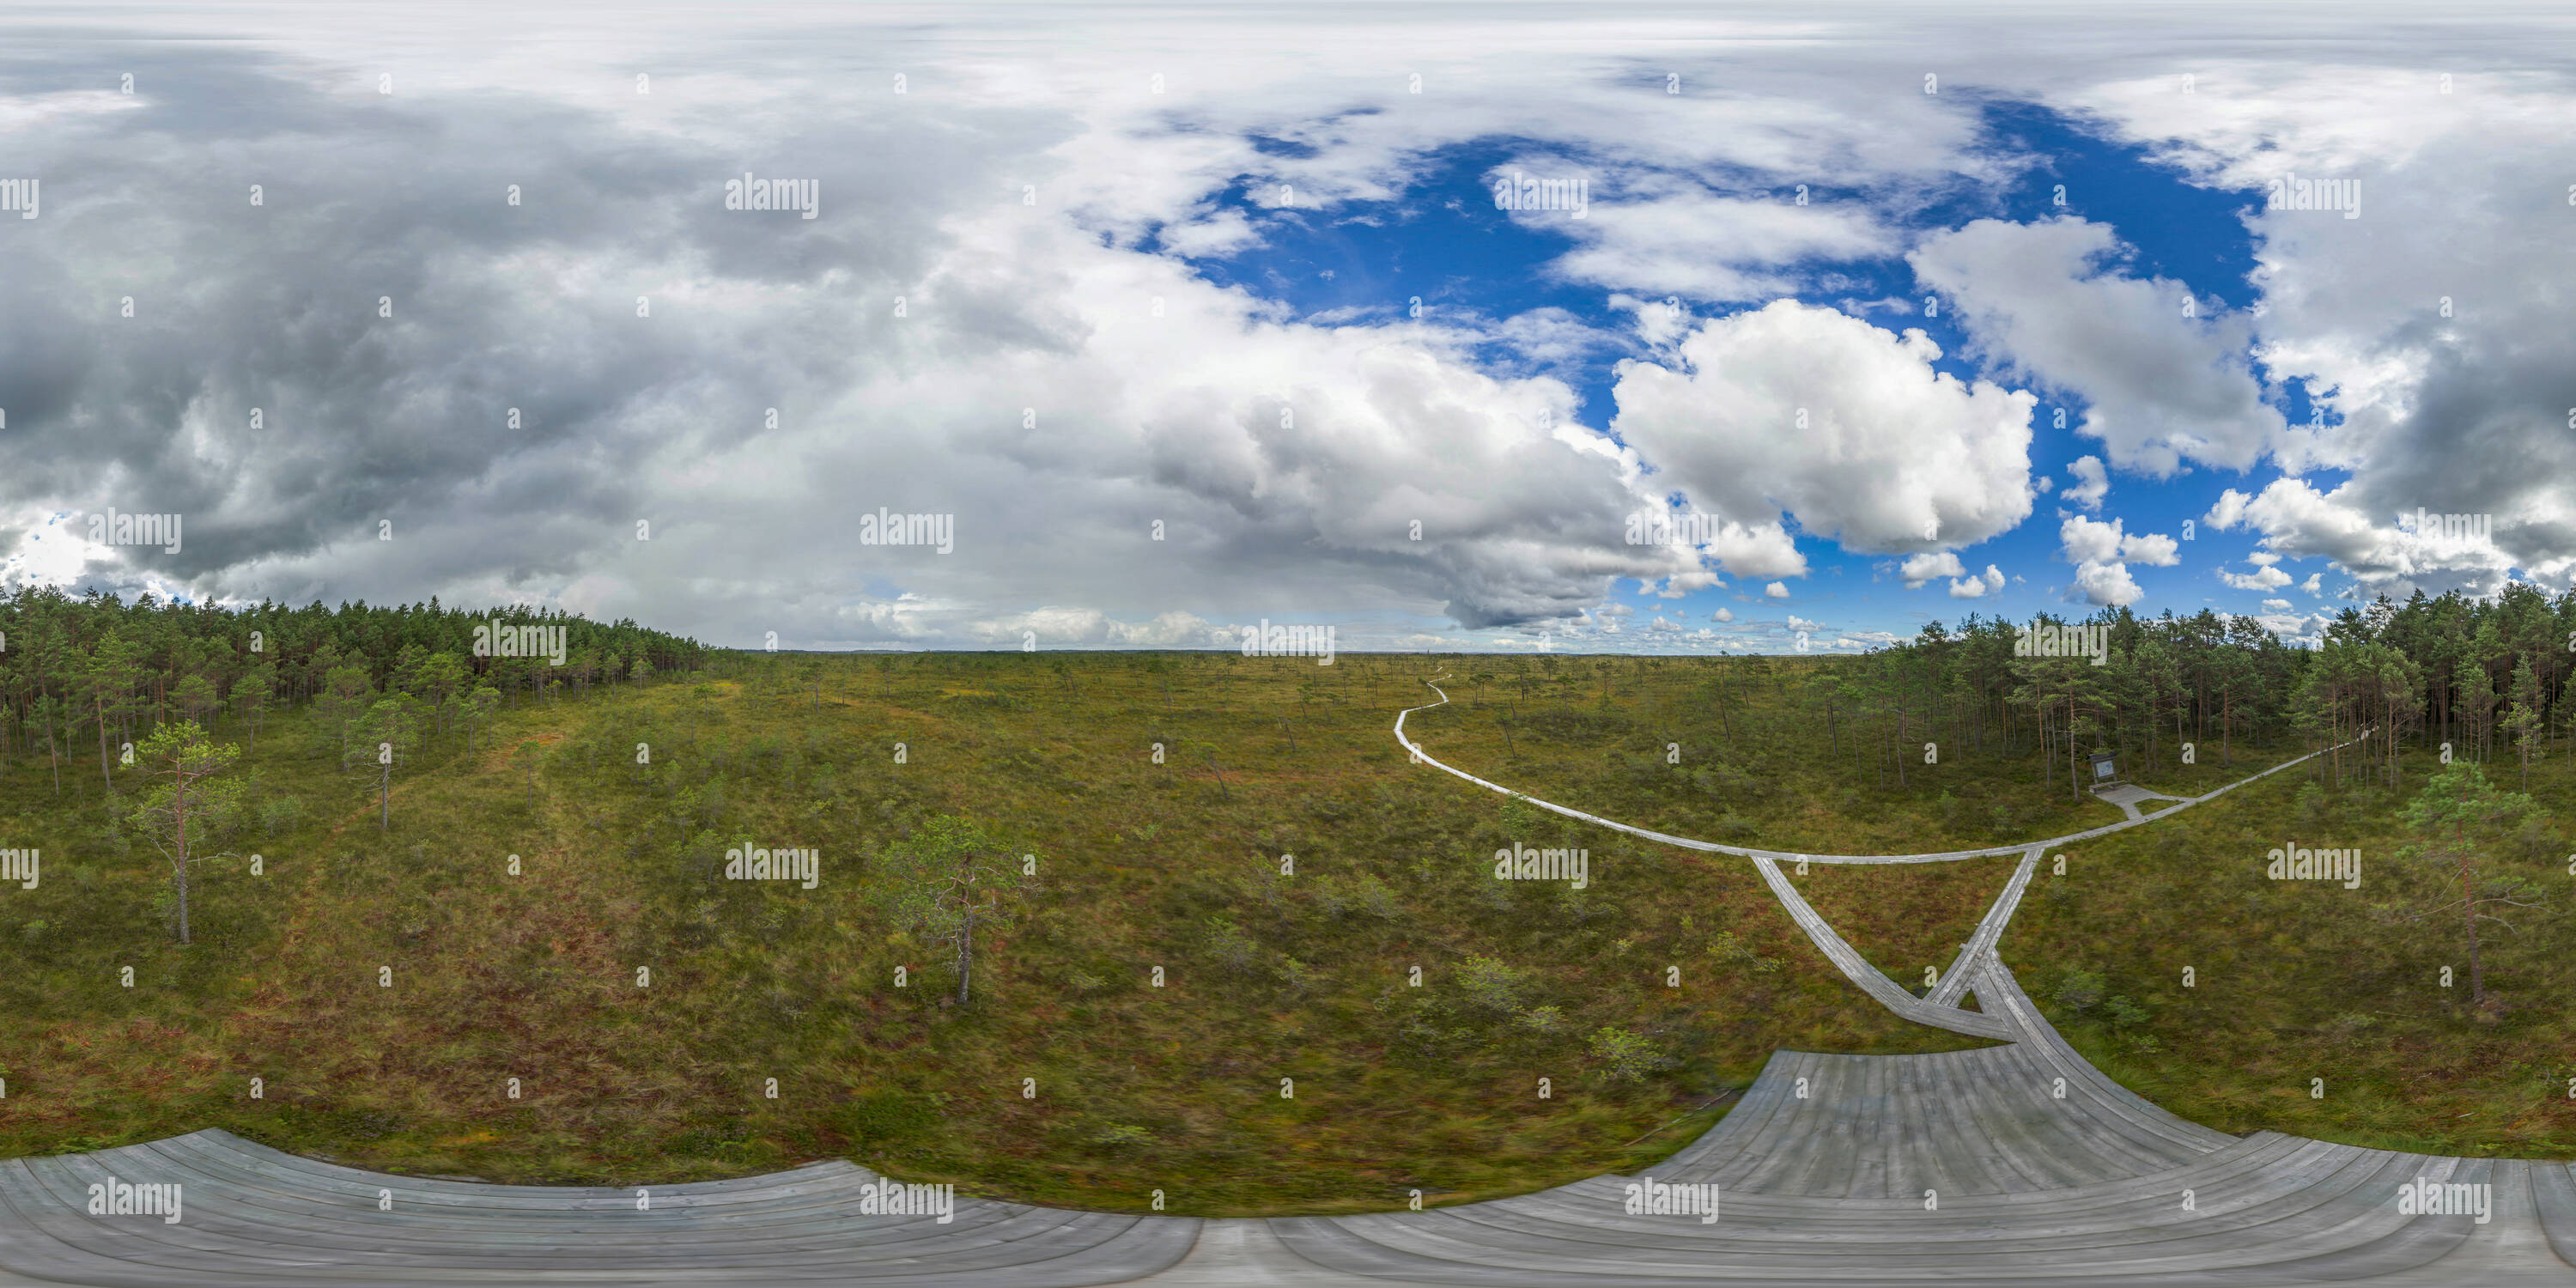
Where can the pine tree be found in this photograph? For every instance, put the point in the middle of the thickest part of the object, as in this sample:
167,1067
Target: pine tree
2460,813
193,807
2523,720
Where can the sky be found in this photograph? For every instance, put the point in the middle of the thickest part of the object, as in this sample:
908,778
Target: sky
1177,321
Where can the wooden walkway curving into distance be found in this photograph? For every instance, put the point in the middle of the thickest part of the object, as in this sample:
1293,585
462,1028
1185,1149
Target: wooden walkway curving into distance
2015,1164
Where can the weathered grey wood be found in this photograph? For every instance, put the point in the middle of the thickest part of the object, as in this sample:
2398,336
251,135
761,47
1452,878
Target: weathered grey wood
1990,928
2553,1193
252,1219
2034,1190
1871,980
2271,1209
1944,856
2128,796
2268,1209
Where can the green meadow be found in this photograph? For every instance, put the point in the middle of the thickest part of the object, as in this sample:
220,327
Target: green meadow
1282,867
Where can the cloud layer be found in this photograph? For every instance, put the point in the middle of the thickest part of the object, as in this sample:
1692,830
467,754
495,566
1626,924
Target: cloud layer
480,336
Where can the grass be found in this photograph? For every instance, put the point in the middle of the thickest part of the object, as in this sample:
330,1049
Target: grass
1138,1088
1176,864
1905,917
2292,980
2301,980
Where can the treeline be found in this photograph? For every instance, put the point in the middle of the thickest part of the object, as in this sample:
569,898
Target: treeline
2488,677
96,672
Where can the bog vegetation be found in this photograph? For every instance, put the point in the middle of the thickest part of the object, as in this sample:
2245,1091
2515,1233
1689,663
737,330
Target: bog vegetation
1082,927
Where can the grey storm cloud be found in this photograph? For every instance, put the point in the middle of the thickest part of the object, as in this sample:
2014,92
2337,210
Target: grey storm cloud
974,324
528,313
400,207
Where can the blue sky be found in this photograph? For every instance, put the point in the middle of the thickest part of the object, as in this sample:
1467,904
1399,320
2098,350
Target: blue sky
1442,240
1050,296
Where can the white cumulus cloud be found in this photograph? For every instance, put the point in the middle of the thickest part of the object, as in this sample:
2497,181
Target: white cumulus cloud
1978,587
1921,568
2092,482
2163,382
1839,424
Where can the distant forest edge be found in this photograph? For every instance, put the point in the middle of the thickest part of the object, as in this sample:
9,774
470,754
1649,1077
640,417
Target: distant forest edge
421,883
2489,677
94,669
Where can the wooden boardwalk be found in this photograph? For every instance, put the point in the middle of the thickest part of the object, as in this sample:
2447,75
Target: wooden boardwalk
1790,856
2016,1164
2041,1171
